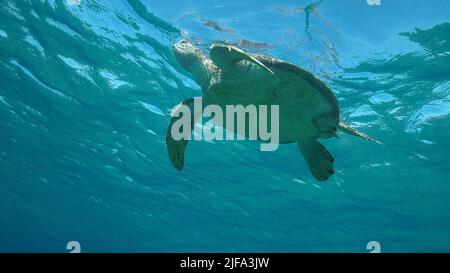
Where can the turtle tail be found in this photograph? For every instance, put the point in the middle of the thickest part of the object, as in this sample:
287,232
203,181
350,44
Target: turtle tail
352,131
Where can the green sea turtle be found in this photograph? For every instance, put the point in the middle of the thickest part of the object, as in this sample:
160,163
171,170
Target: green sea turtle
308,109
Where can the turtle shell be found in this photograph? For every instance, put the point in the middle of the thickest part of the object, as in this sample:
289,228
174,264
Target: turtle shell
279,66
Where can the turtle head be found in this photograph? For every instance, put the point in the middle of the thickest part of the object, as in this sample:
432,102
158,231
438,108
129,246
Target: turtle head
189,56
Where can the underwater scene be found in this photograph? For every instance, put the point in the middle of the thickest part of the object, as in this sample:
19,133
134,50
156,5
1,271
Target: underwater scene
90,89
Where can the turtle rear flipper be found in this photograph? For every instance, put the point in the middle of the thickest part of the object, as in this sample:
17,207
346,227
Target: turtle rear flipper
352,131
319,160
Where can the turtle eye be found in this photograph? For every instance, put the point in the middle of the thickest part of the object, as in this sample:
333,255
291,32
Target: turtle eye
183,41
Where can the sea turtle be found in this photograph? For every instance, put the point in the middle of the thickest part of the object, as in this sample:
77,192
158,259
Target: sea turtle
308,109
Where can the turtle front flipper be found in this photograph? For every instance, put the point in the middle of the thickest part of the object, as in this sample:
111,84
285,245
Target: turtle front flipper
225,56
319,160
175,146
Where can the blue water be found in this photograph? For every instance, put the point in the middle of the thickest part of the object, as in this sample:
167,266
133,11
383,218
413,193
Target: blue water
85,98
